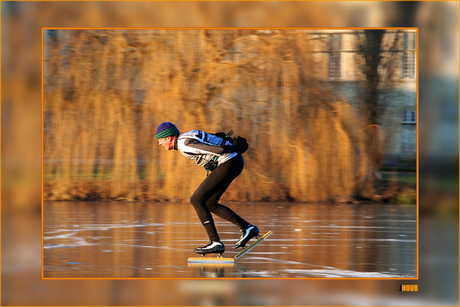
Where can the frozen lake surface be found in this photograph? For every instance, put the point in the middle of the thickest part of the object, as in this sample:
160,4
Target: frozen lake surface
154,240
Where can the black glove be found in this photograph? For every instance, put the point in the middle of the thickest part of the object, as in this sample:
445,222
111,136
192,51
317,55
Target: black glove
243,144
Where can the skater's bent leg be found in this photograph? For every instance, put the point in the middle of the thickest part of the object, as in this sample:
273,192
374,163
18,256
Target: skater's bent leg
205,217
225,213
212,189
224,175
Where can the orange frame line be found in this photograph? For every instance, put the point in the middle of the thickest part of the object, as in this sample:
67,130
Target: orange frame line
231,278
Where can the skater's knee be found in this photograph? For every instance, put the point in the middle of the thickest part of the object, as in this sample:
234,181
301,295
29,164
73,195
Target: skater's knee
195,200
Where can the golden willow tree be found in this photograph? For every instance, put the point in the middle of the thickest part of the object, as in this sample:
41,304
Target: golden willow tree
106,91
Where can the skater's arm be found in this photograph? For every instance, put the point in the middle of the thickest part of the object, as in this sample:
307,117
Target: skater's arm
194,145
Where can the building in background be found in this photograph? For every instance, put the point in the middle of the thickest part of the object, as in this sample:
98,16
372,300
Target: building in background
336,54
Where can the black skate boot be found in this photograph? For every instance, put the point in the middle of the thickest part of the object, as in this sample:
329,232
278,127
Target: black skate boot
212,247
248,233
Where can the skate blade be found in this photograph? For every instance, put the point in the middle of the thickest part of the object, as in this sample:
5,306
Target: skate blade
254,244
257,237
204,255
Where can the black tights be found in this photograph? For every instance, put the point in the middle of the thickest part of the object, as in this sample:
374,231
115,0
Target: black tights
206,198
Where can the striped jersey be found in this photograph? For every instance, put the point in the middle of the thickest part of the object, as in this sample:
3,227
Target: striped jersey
203,147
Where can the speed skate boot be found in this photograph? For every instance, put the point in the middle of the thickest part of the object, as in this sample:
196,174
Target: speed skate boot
248,233
212,247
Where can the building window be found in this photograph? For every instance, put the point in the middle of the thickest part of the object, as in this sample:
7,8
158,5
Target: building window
409,58
335,63
409,133
409,117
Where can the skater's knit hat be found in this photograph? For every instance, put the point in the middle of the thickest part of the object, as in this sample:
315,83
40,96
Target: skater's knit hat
166,129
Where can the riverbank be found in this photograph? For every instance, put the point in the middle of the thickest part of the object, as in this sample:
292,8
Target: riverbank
387,191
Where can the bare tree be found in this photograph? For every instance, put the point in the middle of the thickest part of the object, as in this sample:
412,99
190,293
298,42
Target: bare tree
377,63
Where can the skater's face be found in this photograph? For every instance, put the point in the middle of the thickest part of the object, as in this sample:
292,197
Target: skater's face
167,142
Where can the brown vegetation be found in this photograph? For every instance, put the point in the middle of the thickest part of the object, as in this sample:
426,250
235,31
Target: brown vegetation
106,91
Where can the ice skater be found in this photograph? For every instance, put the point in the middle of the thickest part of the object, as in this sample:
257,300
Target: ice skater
217,154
